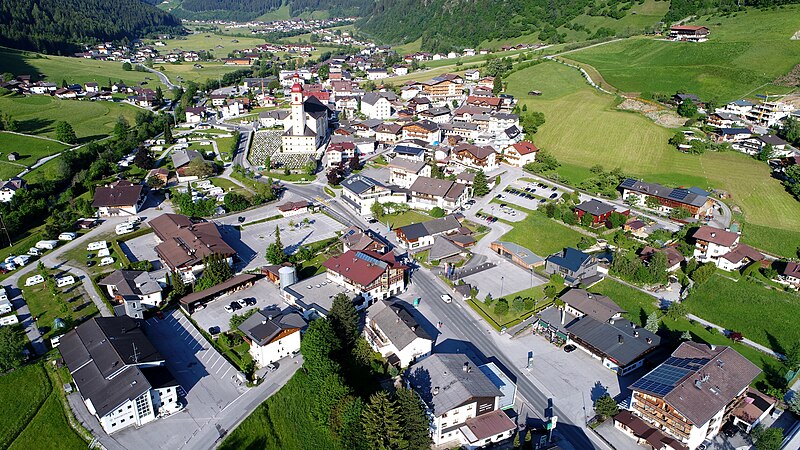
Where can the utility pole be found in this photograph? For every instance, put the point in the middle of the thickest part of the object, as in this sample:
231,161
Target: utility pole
5,230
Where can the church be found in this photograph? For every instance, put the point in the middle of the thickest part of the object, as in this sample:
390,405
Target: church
307,128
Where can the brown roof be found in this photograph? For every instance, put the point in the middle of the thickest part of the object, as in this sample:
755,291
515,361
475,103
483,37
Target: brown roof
688,28
437,188
491,101
673,255
185,243
214,291
597,306
293,206
792,269
525,147
475,151
753,405
119,193
741,252
716,236
362,268
487,425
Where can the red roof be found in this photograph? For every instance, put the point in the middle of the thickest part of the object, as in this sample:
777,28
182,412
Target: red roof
362,268
688,28
491,101
297,87
525,147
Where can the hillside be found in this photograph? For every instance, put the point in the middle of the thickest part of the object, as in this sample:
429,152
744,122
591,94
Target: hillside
242,10
59,27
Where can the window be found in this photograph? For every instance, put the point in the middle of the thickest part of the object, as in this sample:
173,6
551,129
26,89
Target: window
131,416
129,406
113,424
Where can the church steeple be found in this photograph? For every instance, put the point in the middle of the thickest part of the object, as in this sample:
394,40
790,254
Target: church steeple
298,113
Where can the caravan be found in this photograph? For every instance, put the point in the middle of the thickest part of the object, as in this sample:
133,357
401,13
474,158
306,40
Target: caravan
124,228
34,280
67,236
47,244
65,281
107,261
97,245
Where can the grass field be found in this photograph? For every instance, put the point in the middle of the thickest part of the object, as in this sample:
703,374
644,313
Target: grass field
744,53
70,302
541,235
406,218
30,148
38,115
284,421
73,70
583,128
47,427
639,305
219,45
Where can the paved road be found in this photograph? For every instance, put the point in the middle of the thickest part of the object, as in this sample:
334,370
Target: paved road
161,76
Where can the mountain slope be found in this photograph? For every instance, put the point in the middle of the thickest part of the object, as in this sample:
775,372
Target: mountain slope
59,26
250,9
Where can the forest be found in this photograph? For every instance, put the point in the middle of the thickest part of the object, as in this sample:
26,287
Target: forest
250,9
60,27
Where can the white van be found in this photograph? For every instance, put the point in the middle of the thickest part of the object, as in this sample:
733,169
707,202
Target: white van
103,252
124,228
97,245
34,280
67,236
47,244
65,281
33,251
107,261
3,295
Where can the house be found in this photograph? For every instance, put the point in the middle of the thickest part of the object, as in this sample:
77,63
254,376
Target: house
371,275
518,254
599,211
769,114
472,75
575,266
273,119
752,408
160,173
339,152
289,209
428,193
674,257
790,274
419,104
403,172
580,303
414,152
424,130
118,198
724,120
738,107
420,235
134,290
388,133
183,245
377,74
462,402
121,377
10,187
196,114
619,343
690,394
644,435
689,33
475,157
378,105
181,160
361,192
356,239
754,144
732,135
438,115
272,335
693,200
723,249
493,103
393,332
519,154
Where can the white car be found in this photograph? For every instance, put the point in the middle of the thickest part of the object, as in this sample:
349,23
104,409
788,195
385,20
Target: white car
228,309
242,302
447,299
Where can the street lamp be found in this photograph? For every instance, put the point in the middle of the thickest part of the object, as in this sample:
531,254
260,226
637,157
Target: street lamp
502,282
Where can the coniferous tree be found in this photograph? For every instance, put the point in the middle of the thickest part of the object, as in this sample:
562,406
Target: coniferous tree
480,185
275,252
413,420
382,423
652,322
344,320
65,133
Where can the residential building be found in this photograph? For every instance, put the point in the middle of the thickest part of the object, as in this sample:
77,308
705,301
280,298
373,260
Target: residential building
420,235
120,376
196,114
619,343
272,335
415,152
790,274
738,108
388,133
723,248
183,245
393,332
644,435
424,130
690,394
769,114
403,172
428,193
462,402
519,154
134,291
274,119
575,266
118,199
339,153
580,302
673,256
289,209
475,157
10,187
378,105
368,274
361,192
356,239
690,33
181,160
599,211
752,408
694,200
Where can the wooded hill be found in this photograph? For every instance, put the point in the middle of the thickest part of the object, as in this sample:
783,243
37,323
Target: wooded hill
60,26
243,10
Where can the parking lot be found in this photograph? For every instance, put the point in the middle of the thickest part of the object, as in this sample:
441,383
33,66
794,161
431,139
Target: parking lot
214,315
142,248
251,241
209,381
506,213
504,279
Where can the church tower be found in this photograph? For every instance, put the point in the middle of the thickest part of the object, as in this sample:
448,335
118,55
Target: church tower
298,113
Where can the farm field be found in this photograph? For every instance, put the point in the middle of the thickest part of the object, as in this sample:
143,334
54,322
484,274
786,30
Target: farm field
186,71
30,148
73,70
38,114
541,235
583,128
219,45
744,54
639,305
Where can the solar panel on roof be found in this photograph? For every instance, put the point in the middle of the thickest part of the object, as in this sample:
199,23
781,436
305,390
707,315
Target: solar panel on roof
370,259
678,194
628,183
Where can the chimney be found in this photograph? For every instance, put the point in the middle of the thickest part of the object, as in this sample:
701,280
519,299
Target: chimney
269,317
436,390
563,316
620,339
466,367
649,340
636,333
263,322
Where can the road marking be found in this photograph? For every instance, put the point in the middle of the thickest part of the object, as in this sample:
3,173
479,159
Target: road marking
215,362
226,373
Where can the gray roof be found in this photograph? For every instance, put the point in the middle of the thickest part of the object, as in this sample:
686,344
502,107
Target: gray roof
431,227
358,184
679,195
275,114
597,306
372,97
182,157
443,384
771,139
438,188
442,248
263,326
396,323
131,282
595,207
410,165
621,341
522,253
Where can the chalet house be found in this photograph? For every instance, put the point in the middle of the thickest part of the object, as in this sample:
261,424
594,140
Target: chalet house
619,343
273,119
472,156
439,114
599,211
790,274
492,103
134,290
419,104
732,134
472,75
361,192
393,332
690,394
378,105
403,172
674,257
339,152
388,133
118,199
460,129
724,120
10,187
428,193
580,302
689,33
754,144
358,240
121,377
462,401
424,130
160,173
289,209
272,335
196,114
415,152
738,108
575,266
519,154
694,200
181,160
420,235
183,244
92,87
639,430
723,249
371,275
443,88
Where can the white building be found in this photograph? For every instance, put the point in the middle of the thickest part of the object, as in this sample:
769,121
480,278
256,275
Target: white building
393,332
371,275
137,290
519,154
121,377
10,187
428,193
272,335
723,249
119,198
378,105
403,172
361,192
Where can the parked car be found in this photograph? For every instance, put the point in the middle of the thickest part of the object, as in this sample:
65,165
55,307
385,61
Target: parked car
228,309
569,348
272,367
446,298
235,306
553,195
242,302
554,188
240,219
